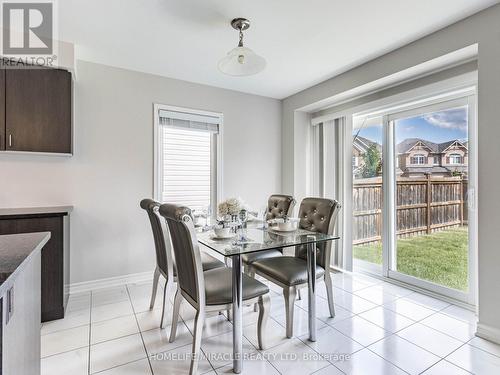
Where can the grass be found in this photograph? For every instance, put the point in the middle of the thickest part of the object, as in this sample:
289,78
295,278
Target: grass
439,257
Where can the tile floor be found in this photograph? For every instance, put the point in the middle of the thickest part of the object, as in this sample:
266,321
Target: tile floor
379,328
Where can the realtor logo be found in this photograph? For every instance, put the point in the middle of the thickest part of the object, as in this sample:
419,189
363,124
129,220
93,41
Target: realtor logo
27,28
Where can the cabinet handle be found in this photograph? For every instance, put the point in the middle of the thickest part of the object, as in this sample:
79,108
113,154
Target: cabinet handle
10,140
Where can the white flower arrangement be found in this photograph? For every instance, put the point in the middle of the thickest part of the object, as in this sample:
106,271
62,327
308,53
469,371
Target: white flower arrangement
231,206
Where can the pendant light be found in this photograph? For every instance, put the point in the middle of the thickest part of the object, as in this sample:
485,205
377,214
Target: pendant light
241,61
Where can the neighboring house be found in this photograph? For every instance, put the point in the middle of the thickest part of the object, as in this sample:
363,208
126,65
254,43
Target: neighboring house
359,147
419,157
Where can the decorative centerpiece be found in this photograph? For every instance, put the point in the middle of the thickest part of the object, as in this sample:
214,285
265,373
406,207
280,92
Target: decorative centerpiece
230,208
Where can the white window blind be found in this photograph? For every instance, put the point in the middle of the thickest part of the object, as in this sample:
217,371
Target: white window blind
186,157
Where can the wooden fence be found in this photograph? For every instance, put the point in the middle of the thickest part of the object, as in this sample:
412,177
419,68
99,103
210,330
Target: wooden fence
424,205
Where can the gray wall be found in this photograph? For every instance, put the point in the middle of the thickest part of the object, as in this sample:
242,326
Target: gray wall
112,166
484,29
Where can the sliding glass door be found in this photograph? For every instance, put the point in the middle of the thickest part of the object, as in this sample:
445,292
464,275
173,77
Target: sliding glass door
412,177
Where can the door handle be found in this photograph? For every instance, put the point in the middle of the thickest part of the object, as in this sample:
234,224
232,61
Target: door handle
10,140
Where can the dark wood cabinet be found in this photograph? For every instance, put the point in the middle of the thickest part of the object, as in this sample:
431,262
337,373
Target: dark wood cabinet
38,110
2,109
55,256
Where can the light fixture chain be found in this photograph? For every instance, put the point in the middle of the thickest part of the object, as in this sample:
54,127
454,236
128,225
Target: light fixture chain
240,44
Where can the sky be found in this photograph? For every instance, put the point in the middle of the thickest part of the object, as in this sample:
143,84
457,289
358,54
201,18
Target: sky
437,127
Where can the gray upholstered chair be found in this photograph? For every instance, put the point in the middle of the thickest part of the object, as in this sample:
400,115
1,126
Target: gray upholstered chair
278,206
290,272
205,290
165,265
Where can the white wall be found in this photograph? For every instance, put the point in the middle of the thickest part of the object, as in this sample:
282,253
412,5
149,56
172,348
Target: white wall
484,29
112,166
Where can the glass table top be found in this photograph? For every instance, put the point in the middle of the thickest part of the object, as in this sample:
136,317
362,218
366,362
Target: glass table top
258,239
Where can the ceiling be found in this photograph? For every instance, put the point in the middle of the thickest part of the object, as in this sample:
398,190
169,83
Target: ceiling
304,42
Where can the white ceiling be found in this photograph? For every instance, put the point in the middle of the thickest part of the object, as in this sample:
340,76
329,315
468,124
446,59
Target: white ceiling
303,41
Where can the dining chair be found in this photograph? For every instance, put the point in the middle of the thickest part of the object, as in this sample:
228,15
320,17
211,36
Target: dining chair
208,290
278,206
290,272
165,264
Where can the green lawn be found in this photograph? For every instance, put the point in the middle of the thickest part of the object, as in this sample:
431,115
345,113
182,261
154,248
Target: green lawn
439,257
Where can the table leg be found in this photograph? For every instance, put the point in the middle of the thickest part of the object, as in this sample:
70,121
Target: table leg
237,315
311,281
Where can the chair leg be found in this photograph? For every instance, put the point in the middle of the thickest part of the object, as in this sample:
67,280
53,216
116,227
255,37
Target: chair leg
264,306
198,330
165,299
289,294
299,296
175,315
329,293
156,280
251,273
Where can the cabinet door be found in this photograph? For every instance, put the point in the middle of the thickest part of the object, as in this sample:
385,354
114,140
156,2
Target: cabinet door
2,109
38,110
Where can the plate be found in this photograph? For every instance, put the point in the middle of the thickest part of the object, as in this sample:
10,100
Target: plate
277,229
216,237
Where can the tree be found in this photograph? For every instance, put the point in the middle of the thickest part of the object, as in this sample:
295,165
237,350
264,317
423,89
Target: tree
372,162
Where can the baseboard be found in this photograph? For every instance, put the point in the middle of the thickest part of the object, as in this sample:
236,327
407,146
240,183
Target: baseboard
109,282
488,333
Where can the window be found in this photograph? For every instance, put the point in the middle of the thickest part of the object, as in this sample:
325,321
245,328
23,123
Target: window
436,160
455,159
187,157
354,161
418,159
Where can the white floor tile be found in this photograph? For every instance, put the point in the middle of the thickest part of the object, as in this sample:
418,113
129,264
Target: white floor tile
323,312
460,313
177,362
329,370
140,367
426,301
113,329
431,340
409,309
445,367
352,302
300,322
451,326
332,344
219,349
485,345
387,319
74,362
111,311
116,352
251,367
72,319
214,325
157,340
350,284
361,330
404,354
394,289
63,341
366,362
294,357
376,294
274,334
109,295
150,319
78,301
475,360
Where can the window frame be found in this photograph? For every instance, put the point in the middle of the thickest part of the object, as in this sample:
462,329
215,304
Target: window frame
417,157
216,163
455,155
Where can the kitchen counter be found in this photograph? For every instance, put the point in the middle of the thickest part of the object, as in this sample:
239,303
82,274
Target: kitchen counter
24,211
16,250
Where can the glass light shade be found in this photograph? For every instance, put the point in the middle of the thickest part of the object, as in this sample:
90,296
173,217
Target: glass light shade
241,61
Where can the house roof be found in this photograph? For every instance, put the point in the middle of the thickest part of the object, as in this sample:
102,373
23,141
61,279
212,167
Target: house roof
406,145
363,144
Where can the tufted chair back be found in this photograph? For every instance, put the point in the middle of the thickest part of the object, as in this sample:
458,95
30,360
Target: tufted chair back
186,250
279,205
160,235
318,215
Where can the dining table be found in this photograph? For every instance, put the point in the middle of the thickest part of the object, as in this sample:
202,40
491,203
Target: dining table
256,238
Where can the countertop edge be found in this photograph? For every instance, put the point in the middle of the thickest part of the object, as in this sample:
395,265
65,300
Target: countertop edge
23,211
12,277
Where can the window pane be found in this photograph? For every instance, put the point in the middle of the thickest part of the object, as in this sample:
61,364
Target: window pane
431,208
186,167
367,194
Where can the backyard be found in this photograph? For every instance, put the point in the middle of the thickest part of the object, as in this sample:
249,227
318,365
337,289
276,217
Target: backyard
439,257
